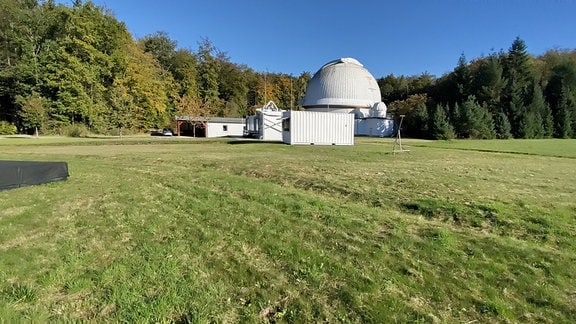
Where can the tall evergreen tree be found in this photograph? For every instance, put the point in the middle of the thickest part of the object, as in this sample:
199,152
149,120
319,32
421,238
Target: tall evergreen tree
563,120
454,116
528,125
458,83
537,124
417,122
515,107
502,128
440,127
517,65
547,122
559,91
475,121
488,83
519,76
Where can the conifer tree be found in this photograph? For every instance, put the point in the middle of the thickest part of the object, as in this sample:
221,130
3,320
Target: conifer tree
535,121
440,126
417,121
454,117
515,107
547,122
519,77
502,126
475,121
489,83
562,120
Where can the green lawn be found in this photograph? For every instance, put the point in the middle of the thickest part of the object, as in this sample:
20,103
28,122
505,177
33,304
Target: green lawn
190,230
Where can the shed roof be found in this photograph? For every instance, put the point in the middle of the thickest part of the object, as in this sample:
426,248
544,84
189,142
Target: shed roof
226,120
219,120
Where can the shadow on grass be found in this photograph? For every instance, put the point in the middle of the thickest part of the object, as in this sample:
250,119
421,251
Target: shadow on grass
253,141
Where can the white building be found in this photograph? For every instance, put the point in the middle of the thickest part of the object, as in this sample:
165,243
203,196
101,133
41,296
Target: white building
266,124
209,126
223,127
345,86
342,100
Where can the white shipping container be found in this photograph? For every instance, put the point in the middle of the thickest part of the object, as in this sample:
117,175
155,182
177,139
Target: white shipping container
318,128
271,127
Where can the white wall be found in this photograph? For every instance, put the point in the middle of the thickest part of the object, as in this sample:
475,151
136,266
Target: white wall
217,129
319,128
376,127
252,124
271,125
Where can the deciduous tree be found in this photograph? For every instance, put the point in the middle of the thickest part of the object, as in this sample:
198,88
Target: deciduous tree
33,112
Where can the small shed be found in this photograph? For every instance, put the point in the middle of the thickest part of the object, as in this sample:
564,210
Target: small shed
209,126
224,126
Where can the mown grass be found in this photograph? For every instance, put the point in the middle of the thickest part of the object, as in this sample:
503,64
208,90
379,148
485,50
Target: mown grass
196,231
545,147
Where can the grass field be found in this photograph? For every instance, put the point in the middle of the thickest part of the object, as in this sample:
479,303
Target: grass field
186,230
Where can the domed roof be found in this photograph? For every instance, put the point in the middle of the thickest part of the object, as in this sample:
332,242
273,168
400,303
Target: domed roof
342,83
378,110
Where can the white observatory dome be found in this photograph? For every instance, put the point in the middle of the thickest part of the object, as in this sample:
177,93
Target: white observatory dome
342,84
378,110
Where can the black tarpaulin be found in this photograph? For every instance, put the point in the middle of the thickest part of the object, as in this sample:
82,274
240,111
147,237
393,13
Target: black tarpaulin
15,174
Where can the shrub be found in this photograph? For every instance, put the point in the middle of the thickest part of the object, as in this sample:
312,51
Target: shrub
7,128
76,130
123,131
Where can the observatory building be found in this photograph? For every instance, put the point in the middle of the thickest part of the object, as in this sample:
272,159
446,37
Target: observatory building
345,86
342,86
342,100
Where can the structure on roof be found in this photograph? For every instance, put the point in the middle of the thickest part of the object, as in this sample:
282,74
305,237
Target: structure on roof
266,124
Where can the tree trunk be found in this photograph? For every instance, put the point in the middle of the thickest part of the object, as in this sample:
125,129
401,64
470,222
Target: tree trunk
36,131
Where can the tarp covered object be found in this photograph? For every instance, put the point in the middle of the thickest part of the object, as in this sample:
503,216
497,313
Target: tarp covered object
15,174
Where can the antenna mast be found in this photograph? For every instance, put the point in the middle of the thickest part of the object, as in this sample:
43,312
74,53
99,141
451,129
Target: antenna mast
398,142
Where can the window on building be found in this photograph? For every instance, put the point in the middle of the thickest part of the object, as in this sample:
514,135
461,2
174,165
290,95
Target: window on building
286,125
225,128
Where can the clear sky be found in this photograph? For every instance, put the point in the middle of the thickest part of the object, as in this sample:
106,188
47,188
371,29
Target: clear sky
402,37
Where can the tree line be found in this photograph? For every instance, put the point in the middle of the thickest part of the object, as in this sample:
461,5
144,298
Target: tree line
508,94
65,68
73,68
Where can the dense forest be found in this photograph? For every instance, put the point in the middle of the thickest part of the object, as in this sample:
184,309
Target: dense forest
70,69
76,69
504,95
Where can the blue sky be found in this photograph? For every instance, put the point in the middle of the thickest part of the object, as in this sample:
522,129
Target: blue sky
399,37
